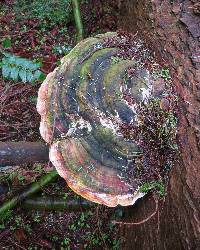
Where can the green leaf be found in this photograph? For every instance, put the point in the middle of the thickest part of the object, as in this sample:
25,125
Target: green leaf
58,62
6,43
22,62
6,54
30,77
33,66
16,67
14,73
36,64
22,75
34,100
29,65
42,76
5,60
37,74
6,71
11,59
157,185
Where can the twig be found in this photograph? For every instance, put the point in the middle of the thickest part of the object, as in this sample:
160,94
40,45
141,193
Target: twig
33,188
16,92
17,245
139,222
78,21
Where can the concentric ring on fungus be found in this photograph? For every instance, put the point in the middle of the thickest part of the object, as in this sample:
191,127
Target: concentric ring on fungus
81,104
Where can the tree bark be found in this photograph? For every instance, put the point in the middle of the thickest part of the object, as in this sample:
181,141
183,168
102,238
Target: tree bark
172,30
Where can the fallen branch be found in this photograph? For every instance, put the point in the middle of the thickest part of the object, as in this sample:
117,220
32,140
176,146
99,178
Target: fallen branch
77,18
51,203
32,189
17,153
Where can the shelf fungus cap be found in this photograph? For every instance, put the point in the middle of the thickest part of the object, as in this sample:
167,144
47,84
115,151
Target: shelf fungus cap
82,103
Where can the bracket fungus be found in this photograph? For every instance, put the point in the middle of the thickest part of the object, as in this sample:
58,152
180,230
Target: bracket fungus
82,104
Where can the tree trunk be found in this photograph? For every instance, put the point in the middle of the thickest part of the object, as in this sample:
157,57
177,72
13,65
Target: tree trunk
172,29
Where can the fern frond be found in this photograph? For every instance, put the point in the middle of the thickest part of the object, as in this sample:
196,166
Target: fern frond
18,68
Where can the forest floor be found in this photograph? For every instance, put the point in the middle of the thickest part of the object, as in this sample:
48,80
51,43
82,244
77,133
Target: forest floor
29,33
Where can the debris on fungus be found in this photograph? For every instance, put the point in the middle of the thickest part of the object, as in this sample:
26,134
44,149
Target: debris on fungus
101,113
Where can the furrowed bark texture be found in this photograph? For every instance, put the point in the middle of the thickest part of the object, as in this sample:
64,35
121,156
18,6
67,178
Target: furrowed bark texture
172,29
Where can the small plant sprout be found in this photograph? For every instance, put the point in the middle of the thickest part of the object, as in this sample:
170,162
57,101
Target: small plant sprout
6,43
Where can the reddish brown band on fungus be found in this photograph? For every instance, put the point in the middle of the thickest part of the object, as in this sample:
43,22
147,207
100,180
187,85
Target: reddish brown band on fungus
101,198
